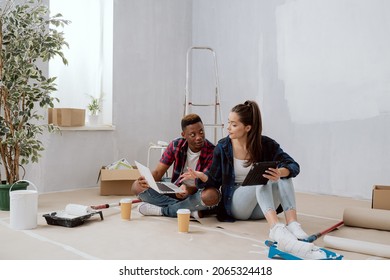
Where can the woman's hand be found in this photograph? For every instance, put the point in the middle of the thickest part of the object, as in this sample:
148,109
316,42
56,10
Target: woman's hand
273,174
187,191
192,174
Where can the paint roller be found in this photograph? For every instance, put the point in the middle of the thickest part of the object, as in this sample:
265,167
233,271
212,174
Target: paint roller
81,210
78,209
317,235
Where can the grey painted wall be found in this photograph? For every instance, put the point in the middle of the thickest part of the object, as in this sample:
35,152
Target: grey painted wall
259,49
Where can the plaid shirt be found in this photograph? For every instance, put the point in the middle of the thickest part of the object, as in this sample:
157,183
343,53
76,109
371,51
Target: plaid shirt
176,154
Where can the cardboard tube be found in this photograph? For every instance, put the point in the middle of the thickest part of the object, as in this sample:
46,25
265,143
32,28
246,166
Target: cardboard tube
363,247
367,218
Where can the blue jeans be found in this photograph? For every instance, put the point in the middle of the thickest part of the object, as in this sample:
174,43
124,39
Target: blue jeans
170,205
251,202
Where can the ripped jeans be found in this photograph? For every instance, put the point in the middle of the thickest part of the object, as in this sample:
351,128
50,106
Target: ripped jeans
171,205
251,202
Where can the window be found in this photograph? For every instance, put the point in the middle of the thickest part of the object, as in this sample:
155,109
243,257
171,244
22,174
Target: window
89,69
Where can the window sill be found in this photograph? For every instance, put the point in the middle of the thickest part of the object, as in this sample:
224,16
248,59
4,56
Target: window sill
101,127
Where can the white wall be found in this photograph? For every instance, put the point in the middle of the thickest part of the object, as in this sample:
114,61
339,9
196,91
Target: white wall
339,99
318,69
150,41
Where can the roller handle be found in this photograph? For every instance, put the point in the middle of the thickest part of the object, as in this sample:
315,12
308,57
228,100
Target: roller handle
315,236
104,206
312,237
108,205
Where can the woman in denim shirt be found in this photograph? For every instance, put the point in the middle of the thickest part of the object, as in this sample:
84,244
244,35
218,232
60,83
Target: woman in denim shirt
232,160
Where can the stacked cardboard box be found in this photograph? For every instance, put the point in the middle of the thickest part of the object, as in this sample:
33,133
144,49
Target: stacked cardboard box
381,197
66,116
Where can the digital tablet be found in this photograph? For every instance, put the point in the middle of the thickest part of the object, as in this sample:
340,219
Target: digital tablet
255,175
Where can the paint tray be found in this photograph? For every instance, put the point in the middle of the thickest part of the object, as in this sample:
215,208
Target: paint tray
275,253
60,218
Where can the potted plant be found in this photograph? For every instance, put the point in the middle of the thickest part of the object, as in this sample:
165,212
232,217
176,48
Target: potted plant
27,41
94,108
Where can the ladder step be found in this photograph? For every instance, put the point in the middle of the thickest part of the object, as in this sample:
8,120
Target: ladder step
214,125
194,104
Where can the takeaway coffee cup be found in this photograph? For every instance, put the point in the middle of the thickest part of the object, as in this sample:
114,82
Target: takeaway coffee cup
126,208
183,220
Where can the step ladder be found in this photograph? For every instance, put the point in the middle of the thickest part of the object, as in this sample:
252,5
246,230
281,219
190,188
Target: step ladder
215,102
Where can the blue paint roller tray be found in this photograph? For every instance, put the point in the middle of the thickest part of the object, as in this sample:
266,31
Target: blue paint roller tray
275,253
60,218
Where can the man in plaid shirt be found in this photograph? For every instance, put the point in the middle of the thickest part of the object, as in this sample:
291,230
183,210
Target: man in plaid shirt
191,150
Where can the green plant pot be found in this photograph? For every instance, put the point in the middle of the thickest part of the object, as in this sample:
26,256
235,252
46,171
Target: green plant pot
4,193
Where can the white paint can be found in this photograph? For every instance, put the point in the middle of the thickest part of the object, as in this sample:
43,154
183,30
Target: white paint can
23,207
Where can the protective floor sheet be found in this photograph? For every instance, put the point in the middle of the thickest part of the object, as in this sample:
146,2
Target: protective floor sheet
157,237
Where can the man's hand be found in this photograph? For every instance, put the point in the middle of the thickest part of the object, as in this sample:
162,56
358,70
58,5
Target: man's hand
187,191
143,183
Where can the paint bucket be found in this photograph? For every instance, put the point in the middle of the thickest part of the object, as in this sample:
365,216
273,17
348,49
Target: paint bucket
23,208
4,193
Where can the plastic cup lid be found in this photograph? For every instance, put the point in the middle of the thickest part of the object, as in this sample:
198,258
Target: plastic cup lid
125,200
183,211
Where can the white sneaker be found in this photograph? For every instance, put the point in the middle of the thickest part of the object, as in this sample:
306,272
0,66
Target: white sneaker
148,209
280,232
195,215
296,229
301,249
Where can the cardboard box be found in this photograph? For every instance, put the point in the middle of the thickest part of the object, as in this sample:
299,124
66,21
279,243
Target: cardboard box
66,116
117,182
381,197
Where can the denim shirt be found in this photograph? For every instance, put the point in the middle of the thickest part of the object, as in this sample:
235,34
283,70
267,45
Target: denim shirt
221,173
